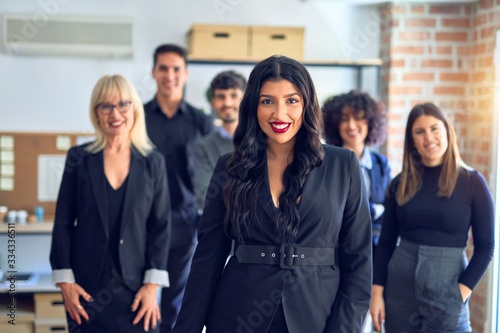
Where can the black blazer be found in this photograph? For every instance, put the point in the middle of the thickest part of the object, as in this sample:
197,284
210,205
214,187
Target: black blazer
380,176
80,235
242,297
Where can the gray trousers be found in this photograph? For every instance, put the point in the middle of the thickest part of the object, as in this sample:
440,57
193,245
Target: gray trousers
421,294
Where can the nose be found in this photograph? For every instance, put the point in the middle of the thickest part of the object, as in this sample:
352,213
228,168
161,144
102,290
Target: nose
351,122
280,110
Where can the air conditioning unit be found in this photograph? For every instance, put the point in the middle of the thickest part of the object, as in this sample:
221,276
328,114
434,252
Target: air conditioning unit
69,36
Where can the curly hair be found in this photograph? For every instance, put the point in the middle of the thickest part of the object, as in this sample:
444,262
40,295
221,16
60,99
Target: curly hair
374,113
247,164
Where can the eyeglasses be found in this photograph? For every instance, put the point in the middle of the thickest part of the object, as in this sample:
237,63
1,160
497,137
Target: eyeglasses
107,108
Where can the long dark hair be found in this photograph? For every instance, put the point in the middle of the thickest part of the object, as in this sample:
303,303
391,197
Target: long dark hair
247,164
411,175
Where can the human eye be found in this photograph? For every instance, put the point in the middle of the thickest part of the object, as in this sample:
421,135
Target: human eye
105,108
292,100
266,101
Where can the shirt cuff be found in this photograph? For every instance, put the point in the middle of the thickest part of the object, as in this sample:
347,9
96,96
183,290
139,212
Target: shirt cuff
63,275
157,276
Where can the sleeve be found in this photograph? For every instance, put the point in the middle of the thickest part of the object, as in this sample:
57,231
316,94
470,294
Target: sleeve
208,125
64,222
202,173
355,258
483,231
388,237
158,227
209,258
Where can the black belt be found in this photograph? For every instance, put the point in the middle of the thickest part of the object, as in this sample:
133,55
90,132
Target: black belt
287,256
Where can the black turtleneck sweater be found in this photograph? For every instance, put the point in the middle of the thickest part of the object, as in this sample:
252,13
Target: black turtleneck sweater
430,220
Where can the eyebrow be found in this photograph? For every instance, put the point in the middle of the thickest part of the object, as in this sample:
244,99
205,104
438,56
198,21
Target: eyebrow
287,95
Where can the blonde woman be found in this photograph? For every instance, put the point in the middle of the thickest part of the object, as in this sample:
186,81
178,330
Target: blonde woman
111,230
423,285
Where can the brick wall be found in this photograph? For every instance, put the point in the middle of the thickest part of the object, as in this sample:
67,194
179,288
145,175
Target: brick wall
443,54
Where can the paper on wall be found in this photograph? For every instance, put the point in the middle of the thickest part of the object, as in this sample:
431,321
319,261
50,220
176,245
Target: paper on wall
50,170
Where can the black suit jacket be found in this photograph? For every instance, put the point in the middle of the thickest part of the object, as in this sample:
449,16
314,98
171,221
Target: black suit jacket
80,235
242,297
380,176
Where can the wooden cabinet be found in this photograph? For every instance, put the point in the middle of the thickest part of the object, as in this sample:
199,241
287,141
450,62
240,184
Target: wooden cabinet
35,309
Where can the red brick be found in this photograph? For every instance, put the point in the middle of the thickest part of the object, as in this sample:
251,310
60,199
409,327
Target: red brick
487,32
451,36
443,49
430,23
460,77
449,90
397,63
463,50
445,9
486,4
479,48
414,36
407,50
404,90
480,19
437,63
398,9
417,9
455,22
485,104
485,62
416,76
414,102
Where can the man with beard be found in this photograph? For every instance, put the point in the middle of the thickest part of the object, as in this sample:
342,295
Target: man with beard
226,91
174,126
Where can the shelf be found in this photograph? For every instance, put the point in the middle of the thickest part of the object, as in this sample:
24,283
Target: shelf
29,228
311,63
43,285
358,65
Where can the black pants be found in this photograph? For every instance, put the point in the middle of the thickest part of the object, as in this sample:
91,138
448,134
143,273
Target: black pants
110,310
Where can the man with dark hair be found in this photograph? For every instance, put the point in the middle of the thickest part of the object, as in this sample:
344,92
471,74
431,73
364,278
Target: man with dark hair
174,126
226,91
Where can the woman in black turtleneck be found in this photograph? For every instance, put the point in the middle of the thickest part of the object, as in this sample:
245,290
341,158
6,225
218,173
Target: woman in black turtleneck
423,285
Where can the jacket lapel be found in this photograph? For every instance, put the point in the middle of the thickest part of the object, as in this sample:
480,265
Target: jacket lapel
310,192
133,183
98,184
265,200
311,189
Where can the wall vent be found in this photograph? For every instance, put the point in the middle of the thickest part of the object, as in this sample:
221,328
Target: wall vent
69,36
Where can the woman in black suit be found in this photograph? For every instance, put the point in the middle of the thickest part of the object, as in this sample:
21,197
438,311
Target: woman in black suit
111,230
297,212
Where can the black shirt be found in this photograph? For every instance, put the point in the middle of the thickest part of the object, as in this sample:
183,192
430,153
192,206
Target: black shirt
175,138
115,199
436,221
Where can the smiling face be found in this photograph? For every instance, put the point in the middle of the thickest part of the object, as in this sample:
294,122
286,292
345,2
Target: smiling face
353,128
226,103
121,118
171,75
430,139
280,111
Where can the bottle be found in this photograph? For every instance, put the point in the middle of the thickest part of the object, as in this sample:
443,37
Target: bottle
39,214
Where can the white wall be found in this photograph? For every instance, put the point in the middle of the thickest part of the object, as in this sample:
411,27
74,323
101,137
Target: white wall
42,93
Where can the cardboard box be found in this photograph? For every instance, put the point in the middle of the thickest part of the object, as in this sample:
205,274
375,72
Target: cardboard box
221,42
267,41
49,305
51,326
